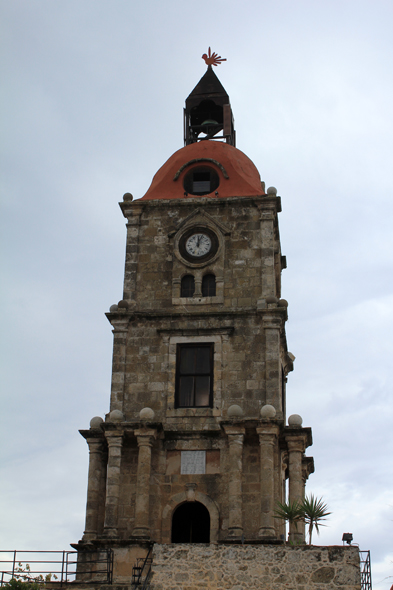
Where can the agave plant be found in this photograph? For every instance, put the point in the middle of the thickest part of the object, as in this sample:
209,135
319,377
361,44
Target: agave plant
289,511
313,511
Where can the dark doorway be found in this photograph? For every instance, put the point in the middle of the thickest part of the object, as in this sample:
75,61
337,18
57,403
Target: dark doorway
191,523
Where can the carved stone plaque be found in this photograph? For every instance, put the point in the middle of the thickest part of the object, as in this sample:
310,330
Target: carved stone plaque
193,462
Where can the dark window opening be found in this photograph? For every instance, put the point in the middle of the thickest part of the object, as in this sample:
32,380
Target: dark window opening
206,110
194,376
191,523
187,287
201,181
209,286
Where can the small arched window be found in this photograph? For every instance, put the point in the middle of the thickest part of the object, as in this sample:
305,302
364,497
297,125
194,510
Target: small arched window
187,286
209,286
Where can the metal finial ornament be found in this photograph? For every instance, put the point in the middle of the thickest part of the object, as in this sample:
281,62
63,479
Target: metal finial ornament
212,59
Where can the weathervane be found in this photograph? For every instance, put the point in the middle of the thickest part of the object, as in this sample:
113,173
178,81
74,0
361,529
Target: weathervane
212,59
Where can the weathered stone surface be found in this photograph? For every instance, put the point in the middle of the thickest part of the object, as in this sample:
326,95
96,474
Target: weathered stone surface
323,575
248,567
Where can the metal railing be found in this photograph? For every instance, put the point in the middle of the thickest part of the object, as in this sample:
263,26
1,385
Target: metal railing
141,572
56,568
365,570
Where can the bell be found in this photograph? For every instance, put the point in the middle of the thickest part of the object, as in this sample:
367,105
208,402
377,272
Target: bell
209,123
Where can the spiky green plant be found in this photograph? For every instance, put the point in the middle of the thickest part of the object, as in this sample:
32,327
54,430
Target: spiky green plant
313,511
289,511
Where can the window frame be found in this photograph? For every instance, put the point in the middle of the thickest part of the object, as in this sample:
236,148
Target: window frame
183,285
179,348
209,277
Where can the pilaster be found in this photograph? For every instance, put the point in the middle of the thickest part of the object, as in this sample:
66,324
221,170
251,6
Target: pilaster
145,438
95,486
272,325
120,330
133,212
296,447
235,436
268,436
115,442
267,220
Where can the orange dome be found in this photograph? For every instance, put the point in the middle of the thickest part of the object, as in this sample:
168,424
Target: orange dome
237,175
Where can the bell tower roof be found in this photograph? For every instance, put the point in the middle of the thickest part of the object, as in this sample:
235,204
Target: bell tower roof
208,87
208,110
236,174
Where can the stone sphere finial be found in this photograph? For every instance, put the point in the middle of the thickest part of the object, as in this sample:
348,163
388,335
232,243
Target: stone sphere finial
116,416
114,307
235,411
127,197
271,190
96,422
271,299
146,414
268,411
123,304
282,303
295,420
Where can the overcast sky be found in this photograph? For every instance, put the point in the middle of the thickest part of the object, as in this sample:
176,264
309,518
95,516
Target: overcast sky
91,108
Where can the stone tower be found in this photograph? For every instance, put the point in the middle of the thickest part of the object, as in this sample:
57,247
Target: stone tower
196,447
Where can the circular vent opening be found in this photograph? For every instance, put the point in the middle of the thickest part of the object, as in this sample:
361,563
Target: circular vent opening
201,181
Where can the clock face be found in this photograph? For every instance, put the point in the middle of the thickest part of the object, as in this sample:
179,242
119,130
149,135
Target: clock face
198,245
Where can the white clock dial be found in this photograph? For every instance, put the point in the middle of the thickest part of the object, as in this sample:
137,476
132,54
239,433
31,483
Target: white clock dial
198,245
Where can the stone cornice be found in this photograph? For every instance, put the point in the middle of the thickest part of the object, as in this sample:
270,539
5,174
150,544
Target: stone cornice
234,430
308,466
197,331
298,436
153,314
268,430
93,433
268,201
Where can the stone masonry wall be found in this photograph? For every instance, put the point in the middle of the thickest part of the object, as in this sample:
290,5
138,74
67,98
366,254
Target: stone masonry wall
155,247
253,567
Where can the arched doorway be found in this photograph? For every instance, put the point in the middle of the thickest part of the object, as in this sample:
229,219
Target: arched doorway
191,523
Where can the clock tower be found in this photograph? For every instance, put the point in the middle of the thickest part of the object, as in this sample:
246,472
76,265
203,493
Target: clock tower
196,447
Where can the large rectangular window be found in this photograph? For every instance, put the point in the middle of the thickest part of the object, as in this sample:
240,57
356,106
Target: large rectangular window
194,376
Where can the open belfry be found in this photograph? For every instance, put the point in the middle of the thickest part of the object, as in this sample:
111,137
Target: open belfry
196,450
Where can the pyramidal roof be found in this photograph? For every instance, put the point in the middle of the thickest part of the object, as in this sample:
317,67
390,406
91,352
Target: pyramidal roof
209,86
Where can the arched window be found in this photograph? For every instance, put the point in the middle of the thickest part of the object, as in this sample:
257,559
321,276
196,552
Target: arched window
191,523
187,286
209,286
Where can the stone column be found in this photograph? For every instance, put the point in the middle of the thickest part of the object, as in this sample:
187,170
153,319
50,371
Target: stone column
296,448
115,442
145,438
220,285
120,330
95,484
176,285
307,468
198,285
267,443
235,440
272,327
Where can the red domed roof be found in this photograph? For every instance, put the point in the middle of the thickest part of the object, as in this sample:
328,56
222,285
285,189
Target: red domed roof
237,174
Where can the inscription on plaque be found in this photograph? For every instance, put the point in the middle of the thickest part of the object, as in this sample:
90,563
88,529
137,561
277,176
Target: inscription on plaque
193,462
